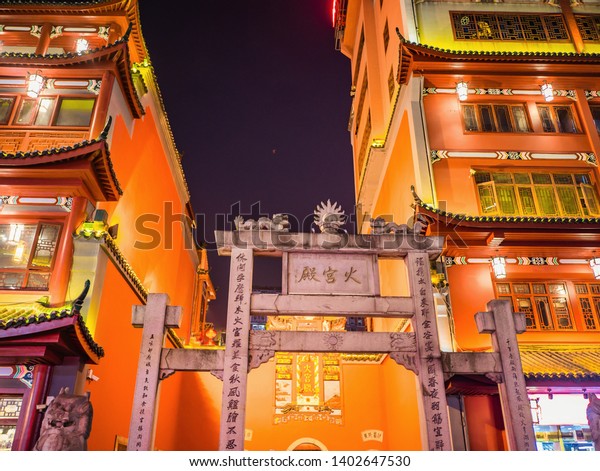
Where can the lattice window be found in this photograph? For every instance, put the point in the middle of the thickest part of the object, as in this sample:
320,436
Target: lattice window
545,305
508,27
523,193
555,28
590,305
391,82
589,27
361,101
26,255
386,36
362,154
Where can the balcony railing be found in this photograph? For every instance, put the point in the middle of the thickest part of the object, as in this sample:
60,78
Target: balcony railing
15,140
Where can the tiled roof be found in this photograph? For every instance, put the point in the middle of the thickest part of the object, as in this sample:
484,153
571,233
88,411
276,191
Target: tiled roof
461,218
24,317
117,53
501,56
91,7
95,149
561,362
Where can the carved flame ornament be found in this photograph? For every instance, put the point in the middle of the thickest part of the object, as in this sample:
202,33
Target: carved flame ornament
329,217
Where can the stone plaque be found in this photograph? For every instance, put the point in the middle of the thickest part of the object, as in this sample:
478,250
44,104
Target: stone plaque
325,273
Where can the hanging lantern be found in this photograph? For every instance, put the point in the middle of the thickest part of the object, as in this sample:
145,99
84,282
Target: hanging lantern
35,84
462,90
81,45
595,266
547,91
499,267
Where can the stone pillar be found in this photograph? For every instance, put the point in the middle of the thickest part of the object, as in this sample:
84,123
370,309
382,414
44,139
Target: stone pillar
235,370
503,325
154,317
429,357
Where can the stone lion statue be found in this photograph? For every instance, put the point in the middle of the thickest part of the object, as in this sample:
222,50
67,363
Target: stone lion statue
593,417
67,423
279,222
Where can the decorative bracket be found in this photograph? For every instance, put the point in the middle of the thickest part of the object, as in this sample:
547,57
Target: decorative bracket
164,373
407,360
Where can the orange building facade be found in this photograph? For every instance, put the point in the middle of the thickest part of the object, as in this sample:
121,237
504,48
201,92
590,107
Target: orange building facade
483,120
95,215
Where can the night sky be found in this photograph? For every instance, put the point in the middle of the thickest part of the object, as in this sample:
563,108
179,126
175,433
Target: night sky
258,99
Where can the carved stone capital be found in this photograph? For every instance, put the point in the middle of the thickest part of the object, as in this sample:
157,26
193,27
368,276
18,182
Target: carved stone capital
407,360
217,374
258,357
164,373
495,377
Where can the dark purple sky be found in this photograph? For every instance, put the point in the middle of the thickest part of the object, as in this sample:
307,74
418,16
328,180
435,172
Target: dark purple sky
258,100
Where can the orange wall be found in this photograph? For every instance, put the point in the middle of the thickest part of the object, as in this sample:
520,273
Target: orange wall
446,131
480,282
112,394
484,423
187,401
189,412
395,199
141,167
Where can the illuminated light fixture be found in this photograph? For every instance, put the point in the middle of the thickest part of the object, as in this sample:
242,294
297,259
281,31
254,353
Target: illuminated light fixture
499,267
81,45
333,12
547,91
462,90
15,232
595,266
19,252
35,84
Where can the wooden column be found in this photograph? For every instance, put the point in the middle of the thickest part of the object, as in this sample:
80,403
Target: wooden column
30,418
503,324
567,11
587,120
63,263
44,40
235,371
429,357
154,317
101,110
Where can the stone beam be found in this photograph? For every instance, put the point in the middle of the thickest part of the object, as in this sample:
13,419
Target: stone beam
330,305
187,359
465,363
342,342
274,243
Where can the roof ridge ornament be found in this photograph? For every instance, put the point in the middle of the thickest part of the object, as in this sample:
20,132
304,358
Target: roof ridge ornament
104,134
329,217
78,302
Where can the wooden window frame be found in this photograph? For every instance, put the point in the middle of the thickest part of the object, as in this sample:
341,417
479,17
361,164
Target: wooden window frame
555,120
19,100
519,15
582,192
31,268
477,109
532,296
